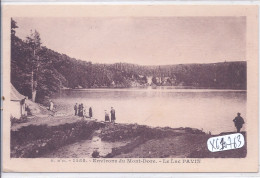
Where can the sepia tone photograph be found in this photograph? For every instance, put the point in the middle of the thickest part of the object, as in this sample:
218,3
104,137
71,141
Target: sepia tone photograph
126,87
129,87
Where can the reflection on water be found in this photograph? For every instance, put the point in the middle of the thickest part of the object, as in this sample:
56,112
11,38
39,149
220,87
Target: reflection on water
210,110
85,148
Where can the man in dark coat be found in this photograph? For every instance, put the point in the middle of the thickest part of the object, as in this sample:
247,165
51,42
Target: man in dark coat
90,112
113,114
76,109
239,121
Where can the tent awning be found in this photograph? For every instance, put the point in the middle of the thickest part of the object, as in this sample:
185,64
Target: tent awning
15,95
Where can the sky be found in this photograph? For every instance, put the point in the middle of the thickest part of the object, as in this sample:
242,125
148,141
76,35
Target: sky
142,40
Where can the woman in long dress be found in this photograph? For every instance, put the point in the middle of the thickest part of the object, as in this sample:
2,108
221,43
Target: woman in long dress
51,106
107,117
82,110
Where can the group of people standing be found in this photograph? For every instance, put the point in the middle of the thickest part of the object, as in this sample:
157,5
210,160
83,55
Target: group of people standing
113,115
81,111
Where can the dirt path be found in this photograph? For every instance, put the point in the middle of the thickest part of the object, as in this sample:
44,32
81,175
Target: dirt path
48,120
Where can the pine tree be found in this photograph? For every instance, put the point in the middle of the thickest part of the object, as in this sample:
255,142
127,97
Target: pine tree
34,42
13,26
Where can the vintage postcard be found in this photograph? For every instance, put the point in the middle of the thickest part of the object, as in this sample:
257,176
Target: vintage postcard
130,88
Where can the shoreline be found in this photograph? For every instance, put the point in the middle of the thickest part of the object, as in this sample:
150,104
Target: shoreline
154,89
52,136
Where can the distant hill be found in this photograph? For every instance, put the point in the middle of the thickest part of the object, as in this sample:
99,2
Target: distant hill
56,71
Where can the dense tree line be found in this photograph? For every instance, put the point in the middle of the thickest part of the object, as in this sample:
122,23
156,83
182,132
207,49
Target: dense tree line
37,70
224,75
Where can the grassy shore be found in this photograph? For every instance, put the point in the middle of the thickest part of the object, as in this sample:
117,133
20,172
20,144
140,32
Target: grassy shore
48,136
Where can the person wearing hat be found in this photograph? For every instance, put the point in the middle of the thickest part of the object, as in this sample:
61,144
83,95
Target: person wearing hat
238,121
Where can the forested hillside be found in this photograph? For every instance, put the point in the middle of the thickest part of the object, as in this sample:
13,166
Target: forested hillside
37,70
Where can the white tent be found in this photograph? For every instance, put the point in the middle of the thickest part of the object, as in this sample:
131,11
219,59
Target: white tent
17,108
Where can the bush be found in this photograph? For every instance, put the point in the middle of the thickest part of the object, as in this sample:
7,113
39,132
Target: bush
22,119
95,154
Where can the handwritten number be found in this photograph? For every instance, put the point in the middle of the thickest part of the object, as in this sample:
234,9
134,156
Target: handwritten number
212,144
230,143
223,144
226,142
238,139
217,144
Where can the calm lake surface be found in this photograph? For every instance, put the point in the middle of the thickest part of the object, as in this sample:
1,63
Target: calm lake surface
210,110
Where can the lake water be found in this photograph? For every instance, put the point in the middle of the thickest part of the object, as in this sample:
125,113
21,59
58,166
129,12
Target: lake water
210,110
